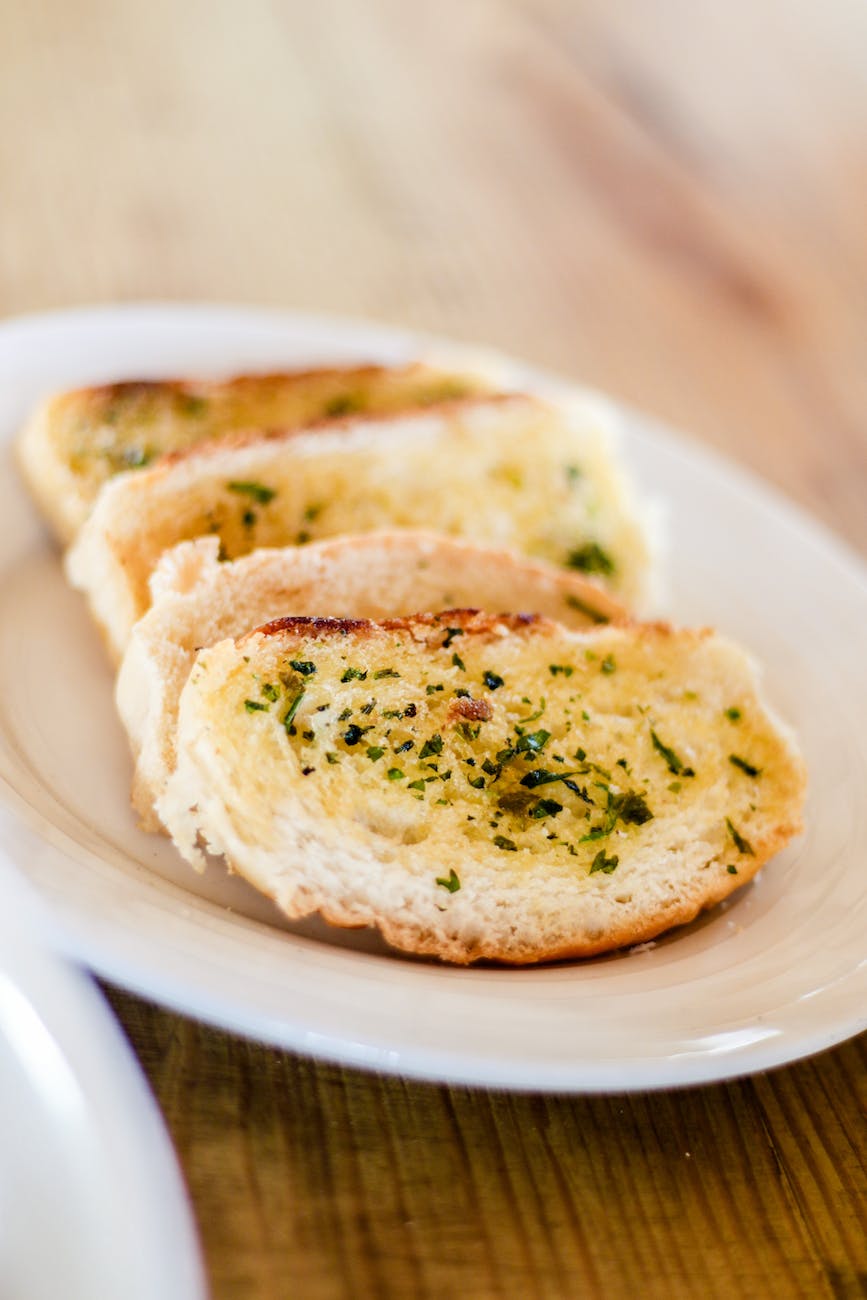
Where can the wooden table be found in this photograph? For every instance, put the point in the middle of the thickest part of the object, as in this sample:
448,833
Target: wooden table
667,200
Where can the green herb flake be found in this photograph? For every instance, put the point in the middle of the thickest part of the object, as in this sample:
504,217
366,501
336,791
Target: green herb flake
458,662
395,774
432,690
293,709
332,757
676,787
546,808
432,746
374,752
384,672
675,764
733,715
303,666
342,404
608,665
603,863
354,675
732,870
313,511
477,782
533,743
749,768
566,669
416,785
585,608
254,706
507,845
270,691
741,844
591,558
493,681
353,733
259,493
451,633
451,882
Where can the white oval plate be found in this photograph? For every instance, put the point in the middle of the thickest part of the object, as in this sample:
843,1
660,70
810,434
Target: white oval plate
778,973
91,1203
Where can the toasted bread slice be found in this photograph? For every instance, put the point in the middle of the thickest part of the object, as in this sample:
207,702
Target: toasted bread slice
198,601
76,441
483,787
508,471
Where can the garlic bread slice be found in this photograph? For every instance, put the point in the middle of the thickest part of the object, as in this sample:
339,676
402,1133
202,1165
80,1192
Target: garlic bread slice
76,441
483,787
508,471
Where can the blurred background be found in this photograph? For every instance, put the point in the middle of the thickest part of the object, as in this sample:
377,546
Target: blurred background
665,200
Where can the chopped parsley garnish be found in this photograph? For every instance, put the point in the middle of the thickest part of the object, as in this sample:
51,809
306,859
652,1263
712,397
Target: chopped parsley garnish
451,882
732,870
354,675
546,808
741,844
630,808
541,776
573,473
293,709
590,558
431,690
493,681
395,774
192,405
451,633
533,716
458,662
384,672
248,518
608,664
303,666
342,404
374,752
742,763
502,842
433,746
602,863
270,691
533,743
313,511
405,747
416,785
254,706
477,782
589,611
733,715
260,494
332,757
353,733
675,764
566,669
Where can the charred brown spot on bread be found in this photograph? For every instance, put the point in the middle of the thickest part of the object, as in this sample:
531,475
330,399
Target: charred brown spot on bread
470,709
302,625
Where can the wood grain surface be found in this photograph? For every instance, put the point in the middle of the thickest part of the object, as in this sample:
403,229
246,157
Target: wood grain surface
666,200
